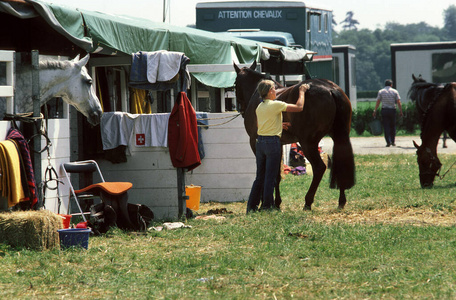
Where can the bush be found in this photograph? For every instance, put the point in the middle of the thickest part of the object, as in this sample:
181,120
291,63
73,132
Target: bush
366,94
357,122
362,116
409,123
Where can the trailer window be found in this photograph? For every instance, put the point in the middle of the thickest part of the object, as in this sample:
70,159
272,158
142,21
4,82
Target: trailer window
326,20
443,67
308,20
319,23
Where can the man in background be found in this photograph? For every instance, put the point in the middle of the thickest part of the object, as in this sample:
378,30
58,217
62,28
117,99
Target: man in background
390,99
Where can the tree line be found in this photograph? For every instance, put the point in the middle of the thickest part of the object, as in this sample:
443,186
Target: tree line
373,55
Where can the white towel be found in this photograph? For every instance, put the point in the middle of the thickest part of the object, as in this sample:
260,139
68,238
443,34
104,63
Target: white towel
163,65
116,129
151,130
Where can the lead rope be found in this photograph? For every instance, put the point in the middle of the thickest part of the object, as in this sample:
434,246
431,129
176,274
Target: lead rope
205,119
444,174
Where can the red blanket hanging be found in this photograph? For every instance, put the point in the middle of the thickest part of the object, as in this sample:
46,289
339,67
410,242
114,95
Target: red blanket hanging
183,134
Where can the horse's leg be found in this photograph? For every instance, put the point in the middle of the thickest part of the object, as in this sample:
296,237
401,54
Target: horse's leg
342,199
318,168
445,136
278,199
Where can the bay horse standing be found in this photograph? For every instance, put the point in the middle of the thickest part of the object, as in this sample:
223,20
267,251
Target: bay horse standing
327,111
436,104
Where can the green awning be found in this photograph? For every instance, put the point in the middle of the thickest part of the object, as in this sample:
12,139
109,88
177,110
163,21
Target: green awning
108,34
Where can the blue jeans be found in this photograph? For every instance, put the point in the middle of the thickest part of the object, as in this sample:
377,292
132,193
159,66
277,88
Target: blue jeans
268,156
389,124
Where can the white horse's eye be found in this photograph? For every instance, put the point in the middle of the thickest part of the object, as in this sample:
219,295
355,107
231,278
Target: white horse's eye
89,81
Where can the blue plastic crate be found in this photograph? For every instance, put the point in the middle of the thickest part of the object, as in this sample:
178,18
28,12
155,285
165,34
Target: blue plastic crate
74,237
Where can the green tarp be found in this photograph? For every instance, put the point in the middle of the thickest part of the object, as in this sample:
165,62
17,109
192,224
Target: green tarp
111,34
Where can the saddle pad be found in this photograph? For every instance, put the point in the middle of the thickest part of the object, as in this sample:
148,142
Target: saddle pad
113,188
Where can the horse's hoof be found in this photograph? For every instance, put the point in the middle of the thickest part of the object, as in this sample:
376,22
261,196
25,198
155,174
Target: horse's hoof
341,207
307,207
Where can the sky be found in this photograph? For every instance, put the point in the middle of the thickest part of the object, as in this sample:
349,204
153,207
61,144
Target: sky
371,14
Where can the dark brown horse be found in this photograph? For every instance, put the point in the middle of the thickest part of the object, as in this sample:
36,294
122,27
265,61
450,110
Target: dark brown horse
327,111
436,104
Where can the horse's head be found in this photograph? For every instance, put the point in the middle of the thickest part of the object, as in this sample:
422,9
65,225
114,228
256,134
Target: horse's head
246,83
81,93
71,81
417,79
428,164
416,88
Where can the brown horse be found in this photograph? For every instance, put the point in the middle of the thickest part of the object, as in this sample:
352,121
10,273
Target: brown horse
327,111
436,105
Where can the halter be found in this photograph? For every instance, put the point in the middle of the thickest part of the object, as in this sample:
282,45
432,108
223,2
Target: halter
437,173
50,175
434,160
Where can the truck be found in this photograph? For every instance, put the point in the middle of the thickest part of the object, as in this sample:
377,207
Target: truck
309,26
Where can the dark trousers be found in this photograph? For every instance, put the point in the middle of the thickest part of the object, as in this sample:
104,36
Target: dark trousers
268,156
389,124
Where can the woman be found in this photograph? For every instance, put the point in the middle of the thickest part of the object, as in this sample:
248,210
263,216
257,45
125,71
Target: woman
268,146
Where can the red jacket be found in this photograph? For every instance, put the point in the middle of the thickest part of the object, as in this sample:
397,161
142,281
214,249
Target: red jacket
183,134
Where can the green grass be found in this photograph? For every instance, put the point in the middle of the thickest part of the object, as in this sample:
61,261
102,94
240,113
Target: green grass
392,241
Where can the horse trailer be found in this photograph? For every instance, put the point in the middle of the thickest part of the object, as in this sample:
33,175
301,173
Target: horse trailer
435,62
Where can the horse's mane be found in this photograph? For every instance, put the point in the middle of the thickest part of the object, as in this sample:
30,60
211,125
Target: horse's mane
55,64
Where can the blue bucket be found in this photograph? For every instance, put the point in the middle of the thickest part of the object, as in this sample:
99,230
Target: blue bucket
74,237
376,127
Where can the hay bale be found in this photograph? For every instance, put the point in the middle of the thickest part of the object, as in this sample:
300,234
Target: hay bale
31,229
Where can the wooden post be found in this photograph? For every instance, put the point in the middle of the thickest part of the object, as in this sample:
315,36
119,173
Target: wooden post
36,113
181,197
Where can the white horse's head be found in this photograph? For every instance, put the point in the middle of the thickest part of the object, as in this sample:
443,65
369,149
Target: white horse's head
71,81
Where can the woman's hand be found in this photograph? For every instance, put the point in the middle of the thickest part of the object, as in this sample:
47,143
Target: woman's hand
304,87
286,125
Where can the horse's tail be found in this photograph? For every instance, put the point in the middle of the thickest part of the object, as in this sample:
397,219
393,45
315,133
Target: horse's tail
343,162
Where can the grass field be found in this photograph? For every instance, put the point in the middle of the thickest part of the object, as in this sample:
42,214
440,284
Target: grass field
392,241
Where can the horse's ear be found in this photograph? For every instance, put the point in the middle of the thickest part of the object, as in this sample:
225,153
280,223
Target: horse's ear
413,76
254,65
416,145
83,61
76,59
236,68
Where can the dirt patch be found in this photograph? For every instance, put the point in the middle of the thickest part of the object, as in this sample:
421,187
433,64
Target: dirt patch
405,216
376,145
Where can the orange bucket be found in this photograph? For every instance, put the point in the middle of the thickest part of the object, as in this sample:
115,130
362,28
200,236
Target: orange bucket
66,220
194,195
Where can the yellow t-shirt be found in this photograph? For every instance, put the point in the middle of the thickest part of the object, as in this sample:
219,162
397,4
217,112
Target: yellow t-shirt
269,115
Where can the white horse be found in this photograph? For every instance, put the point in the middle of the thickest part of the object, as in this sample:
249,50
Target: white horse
66,79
